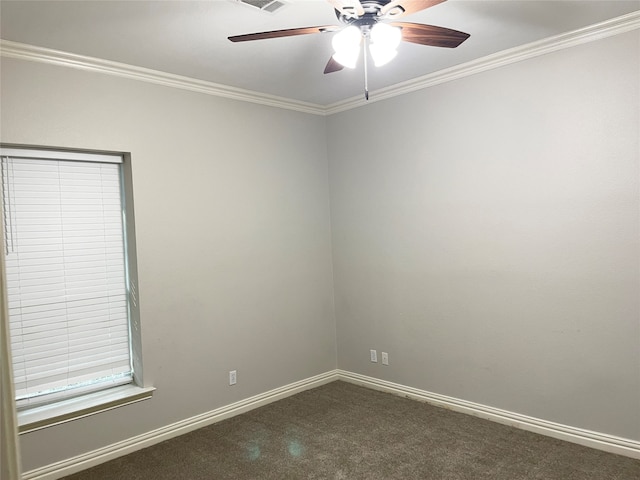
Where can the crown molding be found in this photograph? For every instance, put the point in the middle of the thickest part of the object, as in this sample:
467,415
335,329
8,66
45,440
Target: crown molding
33,53
615,26
609,28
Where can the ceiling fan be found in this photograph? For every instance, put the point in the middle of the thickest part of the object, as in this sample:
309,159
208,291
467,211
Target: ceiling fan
371,23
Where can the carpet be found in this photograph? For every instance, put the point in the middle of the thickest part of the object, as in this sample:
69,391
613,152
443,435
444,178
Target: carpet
342,431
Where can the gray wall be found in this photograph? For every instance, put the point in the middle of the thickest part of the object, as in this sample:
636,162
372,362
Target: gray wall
233,235
486,235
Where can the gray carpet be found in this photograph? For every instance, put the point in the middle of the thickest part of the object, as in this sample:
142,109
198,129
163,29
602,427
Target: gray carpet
342,431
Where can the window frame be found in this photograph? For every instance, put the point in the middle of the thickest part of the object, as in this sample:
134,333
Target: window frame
32,418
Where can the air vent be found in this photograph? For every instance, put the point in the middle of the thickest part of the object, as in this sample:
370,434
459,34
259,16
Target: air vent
267,5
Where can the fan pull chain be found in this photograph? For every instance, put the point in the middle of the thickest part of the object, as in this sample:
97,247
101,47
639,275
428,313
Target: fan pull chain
365,48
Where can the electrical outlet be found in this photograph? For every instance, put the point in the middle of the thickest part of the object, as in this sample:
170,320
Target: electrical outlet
385,358
374,356
232,377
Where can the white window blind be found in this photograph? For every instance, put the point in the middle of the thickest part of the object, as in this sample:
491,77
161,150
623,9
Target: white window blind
66,273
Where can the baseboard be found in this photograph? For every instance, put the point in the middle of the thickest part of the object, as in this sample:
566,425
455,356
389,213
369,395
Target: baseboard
110,452
600,441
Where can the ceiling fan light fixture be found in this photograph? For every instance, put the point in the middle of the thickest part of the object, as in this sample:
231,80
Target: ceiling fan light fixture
386,36
346,44
382,55
384,42
348,57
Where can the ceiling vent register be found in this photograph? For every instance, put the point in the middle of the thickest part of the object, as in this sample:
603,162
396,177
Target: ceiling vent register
267,5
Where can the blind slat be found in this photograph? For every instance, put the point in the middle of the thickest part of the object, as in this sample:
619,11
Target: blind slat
66,279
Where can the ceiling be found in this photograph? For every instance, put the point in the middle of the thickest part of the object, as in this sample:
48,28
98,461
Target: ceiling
189,38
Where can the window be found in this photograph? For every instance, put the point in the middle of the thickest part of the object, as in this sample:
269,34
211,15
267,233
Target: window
71,288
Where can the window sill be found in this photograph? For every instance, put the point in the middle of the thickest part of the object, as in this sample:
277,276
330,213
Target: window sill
36,418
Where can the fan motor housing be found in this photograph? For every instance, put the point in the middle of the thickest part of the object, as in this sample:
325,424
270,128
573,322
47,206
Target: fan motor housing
372,9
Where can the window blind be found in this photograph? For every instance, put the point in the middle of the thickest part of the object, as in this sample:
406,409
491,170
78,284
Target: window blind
66,273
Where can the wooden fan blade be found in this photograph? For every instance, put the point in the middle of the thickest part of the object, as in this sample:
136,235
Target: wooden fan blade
399,8
333,66
349,8
431,35
284,33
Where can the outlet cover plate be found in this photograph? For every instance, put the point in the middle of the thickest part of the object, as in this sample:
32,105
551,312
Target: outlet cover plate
385,358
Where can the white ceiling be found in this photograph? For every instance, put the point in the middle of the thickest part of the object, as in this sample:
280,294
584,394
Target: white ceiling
189,38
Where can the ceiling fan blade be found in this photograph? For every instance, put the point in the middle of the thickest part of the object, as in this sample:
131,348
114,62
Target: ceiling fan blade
333,66
399,8
290,32
431,35
349,8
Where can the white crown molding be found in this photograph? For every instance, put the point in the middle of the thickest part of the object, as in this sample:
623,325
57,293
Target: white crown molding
615,26
33,53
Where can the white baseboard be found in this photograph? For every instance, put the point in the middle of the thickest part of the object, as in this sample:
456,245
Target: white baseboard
600,441
110,452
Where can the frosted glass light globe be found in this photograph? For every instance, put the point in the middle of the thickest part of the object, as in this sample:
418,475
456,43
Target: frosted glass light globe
346,44
386,36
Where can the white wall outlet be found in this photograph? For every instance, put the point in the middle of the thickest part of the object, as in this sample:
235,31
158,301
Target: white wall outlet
374,356
385,358
232,377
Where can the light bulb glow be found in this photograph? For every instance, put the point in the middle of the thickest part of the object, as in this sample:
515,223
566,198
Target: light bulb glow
384,41
381,55
347,58
386,36
346,45
348,38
